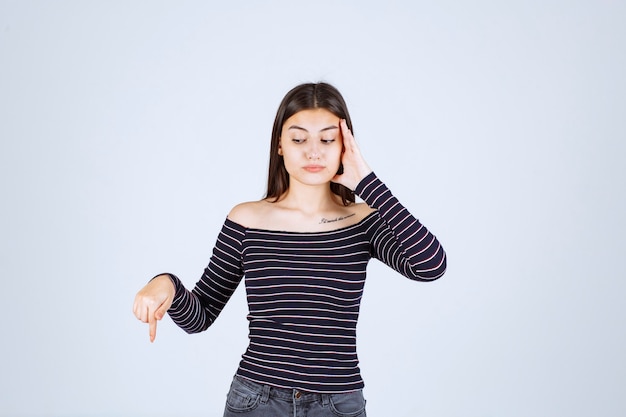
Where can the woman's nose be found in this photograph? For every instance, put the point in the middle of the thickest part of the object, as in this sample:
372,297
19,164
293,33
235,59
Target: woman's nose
313,152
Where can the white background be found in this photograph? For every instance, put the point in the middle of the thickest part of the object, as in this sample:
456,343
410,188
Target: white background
130,128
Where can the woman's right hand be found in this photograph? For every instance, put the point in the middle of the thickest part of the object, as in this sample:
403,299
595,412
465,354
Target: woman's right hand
153,301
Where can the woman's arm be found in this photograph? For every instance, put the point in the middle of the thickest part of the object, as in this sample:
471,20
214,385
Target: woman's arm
194,311
400,240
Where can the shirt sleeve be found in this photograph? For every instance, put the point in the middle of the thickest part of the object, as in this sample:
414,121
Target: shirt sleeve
399,239
194,311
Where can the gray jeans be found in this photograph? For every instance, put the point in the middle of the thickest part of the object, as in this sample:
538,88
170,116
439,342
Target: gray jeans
250,399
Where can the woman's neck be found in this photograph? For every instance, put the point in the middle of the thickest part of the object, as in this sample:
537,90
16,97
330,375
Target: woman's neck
310,200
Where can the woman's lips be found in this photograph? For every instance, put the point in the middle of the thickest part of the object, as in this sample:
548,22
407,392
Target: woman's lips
313,168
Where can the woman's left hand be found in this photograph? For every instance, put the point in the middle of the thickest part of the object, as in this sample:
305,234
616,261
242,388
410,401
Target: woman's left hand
354,166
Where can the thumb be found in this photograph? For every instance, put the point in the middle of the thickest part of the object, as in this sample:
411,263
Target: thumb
160,312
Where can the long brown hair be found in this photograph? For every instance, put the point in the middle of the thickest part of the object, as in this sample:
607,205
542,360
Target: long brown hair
304,97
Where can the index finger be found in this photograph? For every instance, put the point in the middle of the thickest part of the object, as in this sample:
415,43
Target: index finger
152,324
349,142
344,127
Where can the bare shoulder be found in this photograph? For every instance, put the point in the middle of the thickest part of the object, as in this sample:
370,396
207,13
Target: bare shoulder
362,210
249,213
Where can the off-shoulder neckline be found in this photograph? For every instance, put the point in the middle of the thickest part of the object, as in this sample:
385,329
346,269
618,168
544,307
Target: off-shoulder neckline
292,232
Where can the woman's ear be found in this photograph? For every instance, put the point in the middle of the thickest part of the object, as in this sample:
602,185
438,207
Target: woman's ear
280,149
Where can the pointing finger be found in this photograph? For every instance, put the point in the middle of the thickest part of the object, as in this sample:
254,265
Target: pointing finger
152,324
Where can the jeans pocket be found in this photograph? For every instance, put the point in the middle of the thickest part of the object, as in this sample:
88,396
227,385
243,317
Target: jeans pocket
349,404
242,398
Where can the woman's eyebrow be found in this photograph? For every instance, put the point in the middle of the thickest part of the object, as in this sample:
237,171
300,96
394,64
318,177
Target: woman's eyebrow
296,127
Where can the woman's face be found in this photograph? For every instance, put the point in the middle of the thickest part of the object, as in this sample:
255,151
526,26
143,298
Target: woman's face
311,146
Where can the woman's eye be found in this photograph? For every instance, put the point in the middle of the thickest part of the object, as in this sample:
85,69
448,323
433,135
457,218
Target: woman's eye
296,140
328,140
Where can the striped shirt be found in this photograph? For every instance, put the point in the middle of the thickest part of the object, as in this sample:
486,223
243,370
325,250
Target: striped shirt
304,290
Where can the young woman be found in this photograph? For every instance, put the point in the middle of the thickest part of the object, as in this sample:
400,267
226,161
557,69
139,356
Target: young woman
303,251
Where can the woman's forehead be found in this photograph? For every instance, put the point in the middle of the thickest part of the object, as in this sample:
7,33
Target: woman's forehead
312,120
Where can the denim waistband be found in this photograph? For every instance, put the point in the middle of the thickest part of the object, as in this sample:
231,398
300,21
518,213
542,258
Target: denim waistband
287,394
